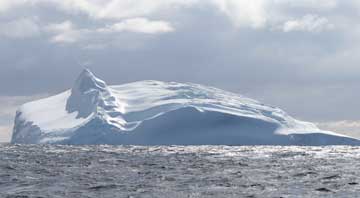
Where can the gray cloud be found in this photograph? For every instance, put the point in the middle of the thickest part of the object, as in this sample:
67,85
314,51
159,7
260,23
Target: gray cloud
348,127
311,23
20,28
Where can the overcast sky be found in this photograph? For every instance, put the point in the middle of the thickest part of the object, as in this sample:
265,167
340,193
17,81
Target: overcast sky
299,55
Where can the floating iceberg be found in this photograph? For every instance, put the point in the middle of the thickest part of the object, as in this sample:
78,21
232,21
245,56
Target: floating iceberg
160,113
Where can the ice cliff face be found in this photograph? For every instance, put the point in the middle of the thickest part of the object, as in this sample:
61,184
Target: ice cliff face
160,113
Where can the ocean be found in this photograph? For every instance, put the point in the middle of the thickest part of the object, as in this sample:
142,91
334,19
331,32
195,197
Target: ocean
178,171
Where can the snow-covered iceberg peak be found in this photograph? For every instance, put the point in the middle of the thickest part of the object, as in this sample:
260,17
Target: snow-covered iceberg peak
91,95
87,81
86,94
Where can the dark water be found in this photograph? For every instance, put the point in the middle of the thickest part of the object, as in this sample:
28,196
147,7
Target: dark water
205,171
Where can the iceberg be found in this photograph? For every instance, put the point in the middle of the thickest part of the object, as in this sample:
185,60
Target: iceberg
160,113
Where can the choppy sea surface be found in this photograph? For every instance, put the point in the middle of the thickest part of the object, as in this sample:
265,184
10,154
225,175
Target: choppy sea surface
178,171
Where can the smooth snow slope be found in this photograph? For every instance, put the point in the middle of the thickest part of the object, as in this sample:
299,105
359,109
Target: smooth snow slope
160,113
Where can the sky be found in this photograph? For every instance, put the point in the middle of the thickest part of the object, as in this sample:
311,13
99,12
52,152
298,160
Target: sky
299,55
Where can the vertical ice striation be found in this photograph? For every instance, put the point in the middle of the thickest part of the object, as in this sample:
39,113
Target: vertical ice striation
91,96
85,94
